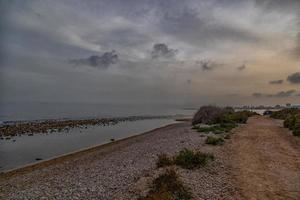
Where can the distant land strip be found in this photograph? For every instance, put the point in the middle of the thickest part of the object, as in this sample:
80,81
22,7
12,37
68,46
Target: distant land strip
49,126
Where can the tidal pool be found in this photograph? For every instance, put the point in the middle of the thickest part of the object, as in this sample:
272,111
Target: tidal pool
22,150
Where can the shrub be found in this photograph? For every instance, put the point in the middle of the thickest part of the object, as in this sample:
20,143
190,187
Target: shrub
207,129
209,114
217,115
163,160
227,136
214,140
168,186
240,117
296,132
284,113
189,160
228,126
296,128
289,122
292,122
217,129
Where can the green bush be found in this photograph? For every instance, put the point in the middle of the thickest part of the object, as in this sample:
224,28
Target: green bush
296,129
218,129
189,160
210,114
214,140
218,115
168,186
228,126
239,117
285,113
227,136
292,122
163,160
289,122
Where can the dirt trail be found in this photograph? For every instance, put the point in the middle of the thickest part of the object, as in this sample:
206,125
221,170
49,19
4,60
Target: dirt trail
266,160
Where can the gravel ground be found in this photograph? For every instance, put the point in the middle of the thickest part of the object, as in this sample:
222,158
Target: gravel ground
113,172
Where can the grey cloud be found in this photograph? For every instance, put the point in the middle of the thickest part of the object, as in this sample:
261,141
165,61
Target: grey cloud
161,50
196,28
279,4
257,95
288,93
294,78
207,65
276,82
296,50
101,62
242,67
281,94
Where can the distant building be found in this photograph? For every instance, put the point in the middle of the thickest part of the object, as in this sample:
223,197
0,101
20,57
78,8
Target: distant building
288,105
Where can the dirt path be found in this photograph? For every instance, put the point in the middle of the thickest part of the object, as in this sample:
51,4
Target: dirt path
266,160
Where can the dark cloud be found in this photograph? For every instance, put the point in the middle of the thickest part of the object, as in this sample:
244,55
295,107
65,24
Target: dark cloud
161,50
257,95
101,62
294,78
207,65
195,28
242,67
288,93
276,82
279,4
281,94
296,50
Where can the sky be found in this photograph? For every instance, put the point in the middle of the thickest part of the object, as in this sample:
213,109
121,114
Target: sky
193,52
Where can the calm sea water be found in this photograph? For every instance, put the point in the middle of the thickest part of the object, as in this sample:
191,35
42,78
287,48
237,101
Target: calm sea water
26,149
37,111
22,150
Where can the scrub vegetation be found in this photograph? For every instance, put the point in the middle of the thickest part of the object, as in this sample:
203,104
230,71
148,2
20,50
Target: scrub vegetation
168,186
291,117
186,159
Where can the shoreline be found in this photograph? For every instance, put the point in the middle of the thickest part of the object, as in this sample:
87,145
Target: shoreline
7,131
121,169
104,148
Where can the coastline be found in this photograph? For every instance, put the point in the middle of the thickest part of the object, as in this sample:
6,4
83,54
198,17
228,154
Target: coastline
124,169
120,170
8,130
104,148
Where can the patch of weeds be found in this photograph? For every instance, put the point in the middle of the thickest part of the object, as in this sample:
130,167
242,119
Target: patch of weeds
228,126
227,136
289,122
218,115
284,113
292,122
214,140
163,160
168,186
190,160
206,129
218,129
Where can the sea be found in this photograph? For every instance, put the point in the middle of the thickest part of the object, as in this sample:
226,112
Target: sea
23,150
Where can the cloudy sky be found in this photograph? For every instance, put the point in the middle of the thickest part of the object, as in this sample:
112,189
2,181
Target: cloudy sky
179,52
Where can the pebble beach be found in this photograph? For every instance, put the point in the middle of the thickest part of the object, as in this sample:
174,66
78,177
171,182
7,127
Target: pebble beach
120,170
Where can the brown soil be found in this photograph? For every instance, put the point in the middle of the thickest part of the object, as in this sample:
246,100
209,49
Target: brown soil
265,160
